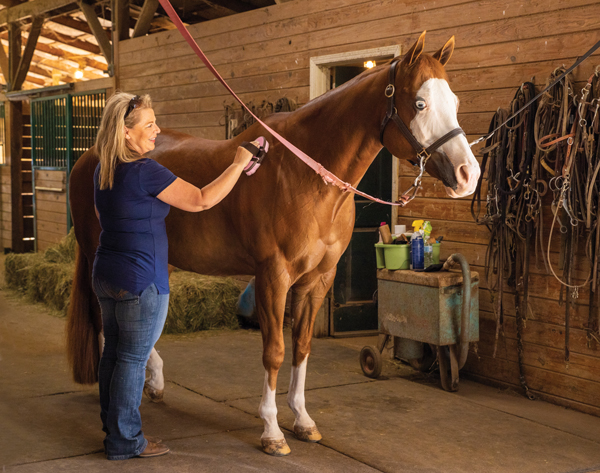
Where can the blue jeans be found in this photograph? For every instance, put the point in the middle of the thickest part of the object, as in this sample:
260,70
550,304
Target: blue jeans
132,325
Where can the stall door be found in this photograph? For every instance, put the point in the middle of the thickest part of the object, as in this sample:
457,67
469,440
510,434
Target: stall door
63,127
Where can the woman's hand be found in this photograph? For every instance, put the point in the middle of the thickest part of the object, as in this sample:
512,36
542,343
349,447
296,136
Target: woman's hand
185,196
243,156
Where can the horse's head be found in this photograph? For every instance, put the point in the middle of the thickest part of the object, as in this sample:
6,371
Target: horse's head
425,103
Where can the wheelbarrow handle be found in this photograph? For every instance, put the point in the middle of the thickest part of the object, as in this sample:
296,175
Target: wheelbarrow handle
465,319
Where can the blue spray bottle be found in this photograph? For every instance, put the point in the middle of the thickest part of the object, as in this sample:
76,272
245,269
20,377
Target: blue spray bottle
416,246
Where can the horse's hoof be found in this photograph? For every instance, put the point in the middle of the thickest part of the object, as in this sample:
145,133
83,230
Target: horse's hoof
276,448
310,434
153,394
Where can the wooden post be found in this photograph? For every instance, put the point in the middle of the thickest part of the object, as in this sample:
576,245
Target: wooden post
25,60
4,63
120,31
142,25
98,30
14,115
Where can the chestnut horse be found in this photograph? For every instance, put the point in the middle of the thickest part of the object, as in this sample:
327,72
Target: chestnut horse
283,224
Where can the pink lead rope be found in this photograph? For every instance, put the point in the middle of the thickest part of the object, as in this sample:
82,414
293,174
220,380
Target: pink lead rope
327,176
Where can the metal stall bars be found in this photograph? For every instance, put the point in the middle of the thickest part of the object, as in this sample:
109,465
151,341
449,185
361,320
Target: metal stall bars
63,127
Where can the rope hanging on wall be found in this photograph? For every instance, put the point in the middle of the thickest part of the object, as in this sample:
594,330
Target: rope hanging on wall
553,145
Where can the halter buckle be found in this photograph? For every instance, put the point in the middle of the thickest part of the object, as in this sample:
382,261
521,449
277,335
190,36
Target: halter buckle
390,90
423,156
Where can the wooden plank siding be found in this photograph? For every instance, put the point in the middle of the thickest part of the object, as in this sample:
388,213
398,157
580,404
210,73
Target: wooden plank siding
50,208
264,55
5,209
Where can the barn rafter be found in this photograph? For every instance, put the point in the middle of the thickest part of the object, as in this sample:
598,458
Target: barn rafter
73,38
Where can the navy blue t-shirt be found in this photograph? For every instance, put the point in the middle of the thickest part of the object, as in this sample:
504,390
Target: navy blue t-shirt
133,250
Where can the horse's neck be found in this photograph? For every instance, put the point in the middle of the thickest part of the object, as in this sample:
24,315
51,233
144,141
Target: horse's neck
346,124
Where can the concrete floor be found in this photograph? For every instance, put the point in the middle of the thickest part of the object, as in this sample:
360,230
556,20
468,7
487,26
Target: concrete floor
401,422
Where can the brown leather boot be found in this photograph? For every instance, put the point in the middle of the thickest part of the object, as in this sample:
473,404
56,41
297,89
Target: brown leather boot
154,450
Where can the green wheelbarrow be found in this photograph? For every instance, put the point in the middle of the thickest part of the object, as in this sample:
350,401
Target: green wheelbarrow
430,315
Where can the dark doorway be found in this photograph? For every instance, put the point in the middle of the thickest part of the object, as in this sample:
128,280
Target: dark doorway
354,307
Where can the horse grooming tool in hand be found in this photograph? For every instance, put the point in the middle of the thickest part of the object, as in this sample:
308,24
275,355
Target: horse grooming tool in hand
258,154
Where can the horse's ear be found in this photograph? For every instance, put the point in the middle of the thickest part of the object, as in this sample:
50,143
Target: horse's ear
444,54
413,53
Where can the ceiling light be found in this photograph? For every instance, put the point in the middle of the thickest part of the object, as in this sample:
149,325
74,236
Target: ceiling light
370,64
78,74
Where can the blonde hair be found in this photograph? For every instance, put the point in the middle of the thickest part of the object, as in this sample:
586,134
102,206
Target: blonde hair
111,144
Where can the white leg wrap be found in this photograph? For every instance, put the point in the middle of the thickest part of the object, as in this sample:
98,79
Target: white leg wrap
295,396
268,412
155,369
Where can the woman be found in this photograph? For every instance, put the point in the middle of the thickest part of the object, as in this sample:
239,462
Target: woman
133,195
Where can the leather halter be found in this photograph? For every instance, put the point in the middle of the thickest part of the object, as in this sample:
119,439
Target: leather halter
423,153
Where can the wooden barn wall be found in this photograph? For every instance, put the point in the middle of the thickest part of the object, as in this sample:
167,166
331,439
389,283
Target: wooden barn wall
50,207
264,55
5,212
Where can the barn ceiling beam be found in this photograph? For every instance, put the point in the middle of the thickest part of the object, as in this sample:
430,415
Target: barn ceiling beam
40,71
25,62
78,25
3,61
120,19
14,54
74,42
142,25
99,33
236,6
62,54
10,3
31,9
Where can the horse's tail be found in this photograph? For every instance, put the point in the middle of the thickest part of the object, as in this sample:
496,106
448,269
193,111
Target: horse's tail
83,350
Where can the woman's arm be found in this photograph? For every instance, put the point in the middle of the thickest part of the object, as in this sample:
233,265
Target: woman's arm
185,196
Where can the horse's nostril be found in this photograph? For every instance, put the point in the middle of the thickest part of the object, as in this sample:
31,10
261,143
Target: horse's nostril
463,174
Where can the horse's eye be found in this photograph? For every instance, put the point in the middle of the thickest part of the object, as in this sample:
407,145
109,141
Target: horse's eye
420,105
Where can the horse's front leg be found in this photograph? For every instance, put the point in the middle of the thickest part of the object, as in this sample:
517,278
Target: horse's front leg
307,297
154,387
271,288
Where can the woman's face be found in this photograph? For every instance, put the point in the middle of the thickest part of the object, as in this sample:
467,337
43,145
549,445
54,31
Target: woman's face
141,137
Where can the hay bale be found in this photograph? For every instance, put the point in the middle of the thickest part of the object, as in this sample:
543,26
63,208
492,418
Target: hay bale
63,252
201,303
196,302
16,269
44,277
50,283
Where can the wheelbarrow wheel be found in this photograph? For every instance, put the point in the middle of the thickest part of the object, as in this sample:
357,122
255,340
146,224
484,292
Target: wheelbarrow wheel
448,361
424,363
370,362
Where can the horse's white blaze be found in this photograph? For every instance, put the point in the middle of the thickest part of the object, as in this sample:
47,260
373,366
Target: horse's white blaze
155,368
295,396
437,119
268,412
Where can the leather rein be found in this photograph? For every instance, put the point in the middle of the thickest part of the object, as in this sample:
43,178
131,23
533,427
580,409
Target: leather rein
423,153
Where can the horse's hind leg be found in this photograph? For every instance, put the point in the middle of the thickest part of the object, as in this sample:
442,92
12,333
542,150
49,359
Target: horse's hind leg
154,387
307,297
271,289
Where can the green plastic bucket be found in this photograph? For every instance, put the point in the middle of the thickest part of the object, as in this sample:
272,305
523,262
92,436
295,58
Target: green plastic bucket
379,255
397,256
